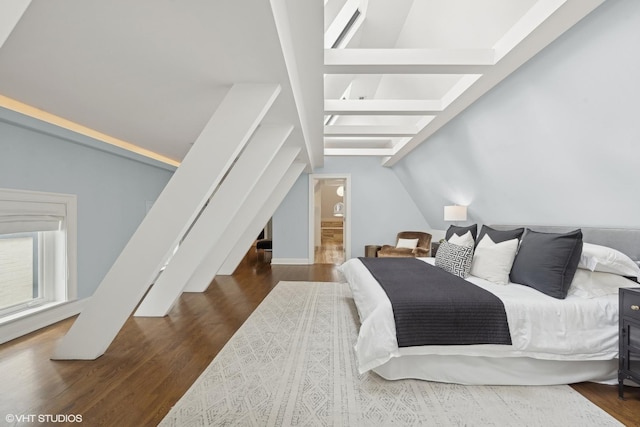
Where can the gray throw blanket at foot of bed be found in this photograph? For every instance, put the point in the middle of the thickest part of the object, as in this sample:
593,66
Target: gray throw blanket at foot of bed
434,307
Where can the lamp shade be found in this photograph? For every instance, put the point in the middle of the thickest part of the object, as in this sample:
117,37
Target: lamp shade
455,213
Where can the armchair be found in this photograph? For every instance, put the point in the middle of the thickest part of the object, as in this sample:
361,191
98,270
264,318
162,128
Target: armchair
422,249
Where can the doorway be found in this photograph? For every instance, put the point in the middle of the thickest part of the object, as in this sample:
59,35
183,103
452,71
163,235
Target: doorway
329,239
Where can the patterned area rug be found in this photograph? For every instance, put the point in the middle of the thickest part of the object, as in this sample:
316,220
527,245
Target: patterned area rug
292,363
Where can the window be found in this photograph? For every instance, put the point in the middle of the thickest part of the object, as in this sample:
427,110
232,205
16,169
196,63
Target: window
37,251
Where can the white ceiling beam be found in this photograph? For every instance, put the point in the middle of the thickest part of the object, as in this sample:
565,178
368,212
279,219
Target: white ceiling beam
567,15
215,218
302,64
359,151
417,107
361,142
262,216
364,130
535,16
175,210
458,89
408,61
340,23
10,13
243,223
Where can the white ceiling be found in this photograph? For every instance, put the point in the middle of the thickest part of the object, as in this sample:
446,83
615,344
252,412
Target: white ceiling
152,72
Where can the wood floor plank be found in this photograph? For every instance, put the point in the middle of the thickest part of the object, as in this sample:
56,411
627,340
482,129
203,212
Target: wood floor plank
152,362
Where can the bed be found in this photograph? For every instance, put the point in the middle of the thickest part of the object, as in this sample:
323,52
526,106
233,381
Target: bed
553,341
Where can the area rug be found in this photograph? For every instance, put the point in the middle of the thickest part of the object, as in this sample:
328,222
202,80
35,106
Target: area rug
292,364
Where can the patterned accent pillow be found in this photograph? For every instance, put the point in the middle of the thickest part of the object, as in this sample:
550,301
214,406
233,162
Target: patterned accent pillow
455,259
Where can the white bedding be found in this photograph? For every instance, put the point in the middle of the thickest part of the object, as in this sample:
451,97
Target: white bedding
541,327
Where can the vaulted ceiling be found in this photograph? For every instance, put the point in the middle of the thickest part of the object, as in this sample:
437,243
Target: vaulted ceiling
366,77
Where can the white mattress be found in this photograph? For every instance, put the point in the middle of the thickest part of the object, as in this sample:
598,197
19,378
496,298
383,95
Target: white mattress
542,327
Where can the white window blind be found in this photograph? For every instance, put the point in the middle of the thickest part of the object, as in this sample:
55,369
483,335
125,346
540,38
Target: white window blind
27,217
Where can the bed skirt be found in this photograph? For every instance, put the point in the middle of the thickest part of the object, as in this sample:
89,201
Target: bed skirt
479,370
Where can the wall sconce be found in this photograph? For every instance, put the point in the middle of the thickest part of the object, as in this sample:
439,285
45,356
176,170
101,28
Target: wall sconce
340,191
338,209
455,213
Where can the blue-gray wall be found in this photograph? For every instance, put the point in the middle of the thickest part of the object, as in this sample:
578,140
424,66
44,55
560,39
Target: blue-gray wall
380,207
557,142
112,190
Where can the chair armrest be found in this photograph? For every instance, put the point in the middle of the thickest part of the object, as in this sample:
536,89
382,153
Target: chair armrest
421,252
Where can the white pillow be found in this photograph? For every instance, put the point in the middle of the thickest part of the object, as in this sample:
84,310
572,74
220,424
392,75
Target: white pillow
465,240
592,284
493,261
407,243
607,260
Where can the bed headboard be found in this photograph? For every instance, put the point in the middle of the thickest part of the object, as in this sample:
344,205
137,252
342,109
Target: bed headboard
625,240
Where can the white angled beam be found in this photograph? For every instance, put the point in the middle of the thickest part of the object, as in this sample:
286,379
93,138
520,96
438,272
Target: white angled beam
262,217
366,130
459,88
358,107
214,219
10,13
341,22
222,139
408,61
241,224
539,12
298,29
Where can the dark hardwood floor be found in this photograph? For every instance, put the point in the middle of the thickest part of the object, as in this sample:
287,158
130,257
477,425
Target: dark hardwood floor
152,362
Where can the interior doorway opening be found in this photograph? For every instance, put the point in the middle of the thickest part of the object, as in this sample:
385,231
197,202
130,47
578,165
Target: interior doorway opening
330,218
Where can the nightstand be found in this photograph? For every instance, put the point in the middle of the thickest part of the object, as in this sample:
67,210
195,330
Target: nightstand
629,308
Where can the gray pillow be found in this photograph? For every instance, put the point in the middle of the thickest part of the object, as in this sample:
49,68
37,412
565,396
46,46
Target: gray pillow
547,261
454,259
499,236
454,229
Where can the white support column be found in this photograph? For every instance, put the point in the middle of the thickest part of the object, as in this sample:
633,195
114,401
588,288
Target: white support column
220,142
262,217
223,207
206,271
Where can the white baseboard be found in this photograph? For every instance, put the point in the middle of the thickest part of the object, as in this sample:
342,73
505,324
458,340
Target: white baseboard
40,319
290,261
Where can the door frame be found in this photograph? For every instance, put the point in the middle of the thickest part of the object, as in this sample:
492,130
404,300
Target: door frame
347,212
